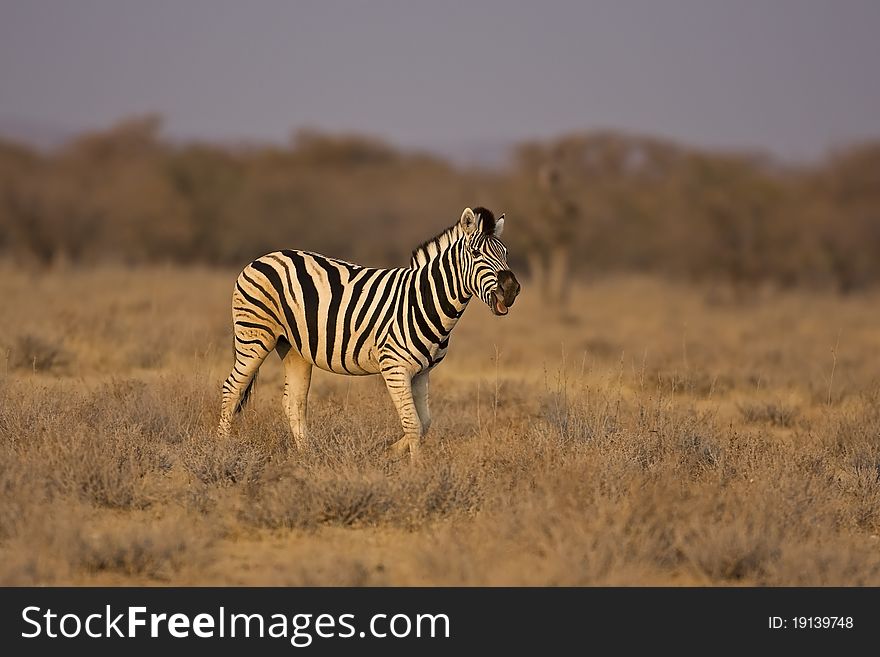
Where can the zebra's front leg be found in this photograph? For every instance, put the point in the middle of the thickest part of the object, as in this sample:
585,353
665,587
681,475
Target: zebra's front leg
399,382
297,380
420,397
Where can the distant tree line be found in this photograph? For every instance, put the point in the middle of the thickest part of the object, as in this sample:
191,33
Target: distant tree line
582,204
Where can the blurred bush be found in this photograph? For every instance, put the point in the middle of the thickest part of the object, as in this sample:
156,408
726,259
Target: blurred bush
582,204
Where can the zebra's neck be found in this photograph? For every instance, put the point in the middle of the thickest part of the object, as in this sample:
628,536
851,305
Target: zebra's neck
442,296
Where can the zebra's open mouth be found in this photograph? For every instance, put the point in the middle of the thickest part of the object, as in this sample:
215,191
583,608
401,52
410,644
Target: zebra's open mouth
499,308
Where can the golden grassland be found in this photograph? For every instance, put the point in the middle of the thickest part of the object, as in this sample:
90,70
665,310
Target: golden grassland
650,434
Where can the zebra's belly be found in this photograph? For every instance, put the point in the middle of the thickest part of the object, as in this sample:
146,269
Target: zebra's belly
368,363
348,369
362,364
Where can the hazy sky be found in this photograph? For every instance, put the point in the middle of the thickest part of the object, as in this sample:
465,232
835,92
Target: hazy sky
791,76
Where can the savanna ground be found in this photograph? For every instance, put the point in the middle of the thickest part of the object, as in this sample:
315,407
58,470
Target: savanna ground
650,434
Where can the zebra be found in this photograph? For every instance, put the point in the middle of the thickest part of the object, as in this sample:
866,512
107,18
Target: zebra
355,320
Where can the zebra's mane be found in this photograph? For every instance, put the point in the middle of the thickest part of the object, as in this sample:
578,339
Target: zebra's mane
430,248
487,220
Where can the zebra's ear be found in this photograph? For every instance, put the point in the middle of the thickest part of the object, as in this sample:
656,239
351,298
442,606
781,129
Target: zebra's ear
468,221
499,226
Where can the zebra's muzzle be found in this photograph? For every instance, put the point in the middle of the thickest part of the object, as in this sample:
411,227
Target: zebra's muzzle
506,292
499,307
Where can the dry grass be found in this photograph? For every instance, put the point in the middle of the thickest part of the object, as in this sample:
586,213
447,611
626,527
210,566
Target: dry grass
652,434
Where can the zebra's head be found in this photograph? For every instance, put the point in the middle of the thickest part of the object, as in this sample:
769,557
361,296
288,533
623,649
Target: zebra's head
484,260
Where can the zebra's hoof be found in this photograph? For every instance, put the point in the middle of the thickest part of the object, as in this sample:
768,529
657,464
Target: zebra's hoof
402,447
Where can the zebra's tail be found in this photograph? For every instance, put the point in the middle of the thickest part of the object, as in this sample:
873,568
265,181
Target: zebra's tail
245,396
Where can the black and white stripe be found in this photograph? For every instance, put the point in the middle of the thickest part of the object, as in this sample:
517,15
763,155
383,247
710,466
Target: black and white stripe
349,319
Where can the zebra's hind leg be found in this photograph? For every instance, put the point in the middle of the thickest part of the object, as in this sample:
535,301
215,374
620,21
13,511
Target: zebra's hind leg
250,352
297,380
400,386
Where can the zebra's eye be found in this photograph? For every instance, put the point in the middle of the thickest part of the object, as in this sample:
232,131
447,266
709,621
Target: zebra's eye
475,253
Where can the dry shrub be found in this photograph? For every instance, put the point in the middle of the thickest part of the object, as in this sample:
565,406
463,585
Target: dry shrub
224,461
307,496
851,437
64,543
18,494
39,354
156,549
775,413
109,446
